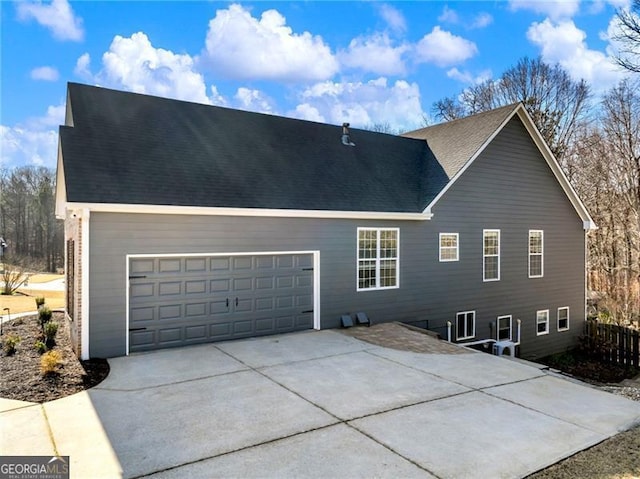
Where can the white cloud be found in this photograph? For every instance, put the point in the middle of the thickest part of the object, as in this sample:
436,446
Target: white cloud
565,44
362,104
443,48
467,77
134,64
393,17
555,10
33,143
45,73
241,46
253,100
448,15
57,16
481,20
82,68
375,54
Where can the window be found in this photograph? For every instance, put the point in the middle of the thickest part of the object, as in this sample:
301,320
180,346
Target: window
504,328
465,325
536,248
542,322
491,255
377,258
563,319
448,246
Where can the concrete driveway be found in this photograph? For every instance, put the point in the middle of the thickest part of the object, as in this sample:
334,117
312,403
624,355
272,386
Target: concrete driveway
316,404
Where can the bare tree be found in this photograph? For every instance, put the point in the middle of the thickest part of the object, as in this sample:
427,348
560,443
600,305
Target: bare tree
27,216
629,37
556,103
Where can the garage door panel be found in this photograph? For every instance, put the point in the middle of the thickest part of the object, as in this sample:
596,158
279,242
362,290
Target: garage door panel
142,314
140,339
219,306
242,284
242,262
195,309
220,331
220,264
263,304
195,332
264,283
172,311
139,266
264,324
242,326
195,265
220,285
142,290
169,335
195,287
186,300
169,266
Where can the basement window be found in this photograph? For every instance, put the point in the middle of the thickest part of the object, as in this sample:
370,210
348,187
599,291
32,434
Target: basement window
465,325
542,322
378,258
563,318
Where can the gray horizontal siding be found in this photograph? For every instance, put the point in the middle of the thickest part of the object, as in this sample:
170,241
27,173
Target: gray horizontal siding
509,187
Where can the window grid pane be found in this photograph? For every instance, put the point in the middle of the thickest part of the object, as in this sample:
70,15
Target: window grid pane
377,258
448,247
491,255
563,319
465,325
542,322
536,249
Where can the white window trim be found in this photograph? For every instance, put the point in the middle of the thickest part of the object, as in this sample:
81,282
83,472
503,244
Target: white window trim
484,273
568,319
510,327
462,338
545,322
448,248
541,254
377,259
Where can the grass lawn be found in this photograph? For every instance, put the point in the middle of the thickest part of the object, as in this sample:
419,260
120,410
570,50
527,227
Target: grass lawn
44,277
25,302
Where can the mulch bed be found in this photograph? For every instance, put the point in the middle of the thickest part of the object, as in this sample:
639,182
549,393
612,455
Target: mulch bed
20,376
590,369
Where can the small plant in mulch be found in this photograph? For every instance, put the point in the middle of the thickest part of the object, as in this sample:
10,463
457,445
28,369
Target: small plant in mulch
39,301
50,363
10,344
50,330
44,315
40,346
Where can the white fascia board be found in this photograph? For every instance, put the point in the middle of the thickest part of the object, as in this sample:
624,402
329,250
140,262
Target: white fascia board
61,189
261,212
84,264
587,221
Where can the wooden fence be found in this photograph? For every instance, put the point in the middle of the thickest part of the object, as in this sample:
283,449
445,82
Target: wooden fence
613,343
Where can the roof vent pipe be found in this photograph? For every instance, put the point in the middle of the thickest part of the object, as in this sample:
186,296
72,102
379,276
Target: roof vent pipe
346,140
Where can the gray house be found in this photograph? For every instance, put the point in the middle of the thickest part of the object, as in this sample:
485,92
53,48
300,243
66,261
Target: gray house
187,223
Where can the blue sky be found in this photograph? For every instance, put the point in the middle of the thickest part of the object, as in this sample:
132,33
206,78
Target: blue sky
364,62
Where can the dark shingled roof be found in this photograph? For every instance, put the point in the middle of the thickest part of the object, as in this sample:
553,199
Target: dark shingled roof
129,148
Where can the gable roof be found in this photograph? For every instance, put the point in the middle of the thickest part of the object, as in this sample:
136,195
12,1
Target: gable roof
123,151
456,144
127,148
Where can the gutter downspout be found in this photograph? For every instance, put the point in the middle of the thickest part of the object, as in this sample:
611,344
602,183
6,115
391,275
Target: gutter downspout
449,331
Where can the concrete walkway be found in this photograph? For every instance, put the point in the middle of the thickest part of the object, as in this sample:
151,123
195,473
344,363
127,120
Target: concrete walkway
316,404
